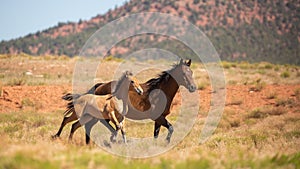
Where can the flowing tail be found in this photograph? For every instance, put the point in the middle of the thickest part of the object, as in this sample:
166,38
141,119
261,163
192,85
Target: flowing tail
71,97
69,111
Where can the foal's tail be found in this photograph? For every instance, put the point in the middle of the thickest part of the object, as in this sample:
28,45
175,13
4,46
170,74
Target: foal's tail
70,106
70,96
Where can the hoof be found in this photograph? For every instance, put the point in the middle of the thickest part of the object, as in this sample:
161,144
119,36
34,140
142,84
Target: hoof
54,137
106,144
113,139
168,140
70,140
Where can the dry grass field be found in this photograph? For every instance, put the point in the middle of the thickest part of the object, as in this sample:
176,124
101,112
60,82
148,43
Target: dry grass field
259,128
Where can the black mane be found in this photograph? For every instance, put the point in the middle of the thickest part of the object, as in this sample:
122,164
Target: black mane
162,77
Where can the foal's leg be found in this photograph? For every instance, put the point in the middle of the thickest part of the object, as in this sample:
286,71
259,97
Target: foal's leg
118,126
163,121
88,126
123,130
114,132
115,120
82,121
65,121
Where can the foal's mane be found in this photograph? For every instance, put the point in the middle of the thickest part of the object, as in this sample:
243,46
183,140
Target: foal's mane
120,81
162,77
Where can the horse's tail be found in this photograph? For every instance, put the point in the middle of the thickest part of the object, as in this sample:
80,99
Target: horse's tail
70,110
70,96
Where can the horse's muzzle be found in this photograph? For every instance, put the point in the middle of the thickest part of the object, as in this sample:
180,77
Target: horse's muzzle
140,92
192,88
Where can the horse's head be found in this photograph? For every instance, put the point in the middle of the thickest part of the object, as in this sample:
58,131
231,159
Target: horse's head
134,82
184,75
126,81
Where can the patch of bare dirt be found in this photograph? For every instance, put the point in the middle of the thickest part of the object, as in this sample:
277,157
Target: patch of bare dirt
37,98
239,98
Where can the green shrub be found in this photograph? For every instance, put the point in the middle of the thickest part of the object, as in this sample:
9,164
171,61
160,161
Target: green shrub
17,81
285,102
27,102
272,95
201,86
258,87
268,66
226,65
285,74
276,111
297,93
257,114
1,89
235,123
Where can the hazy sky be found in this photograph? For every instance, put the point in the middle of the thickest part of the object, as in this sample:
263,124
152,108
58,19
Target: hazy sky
21,17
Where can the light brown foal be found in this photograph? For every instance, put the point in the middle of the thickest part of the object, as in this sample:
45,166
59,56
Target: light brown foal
113,107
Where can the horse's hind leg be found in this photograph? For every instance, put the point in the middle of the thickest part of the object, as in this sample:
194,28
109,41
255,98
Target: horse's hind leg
88,126
82,121
75,126
65,121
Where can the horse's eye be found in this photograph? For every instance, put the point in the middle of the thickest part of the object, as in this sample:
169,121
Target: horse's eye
132,81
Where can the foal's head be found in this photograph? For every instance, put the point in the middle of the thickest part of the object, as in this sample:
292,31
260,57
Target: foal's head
123,83
184,75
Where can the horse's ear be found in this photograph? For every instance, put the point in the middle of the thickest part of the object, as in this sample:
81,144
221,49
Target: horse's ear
188,62
128,73
181,61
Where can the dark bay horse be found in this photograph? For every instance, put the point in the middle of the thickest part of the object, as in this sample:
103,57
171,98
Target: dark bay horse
156,101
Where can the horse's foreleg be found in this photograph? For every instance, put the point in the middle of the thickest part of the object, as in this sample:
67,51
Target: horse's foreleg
65,121
88,126
163,121
123,130
114,132
115,120
156,129
105,122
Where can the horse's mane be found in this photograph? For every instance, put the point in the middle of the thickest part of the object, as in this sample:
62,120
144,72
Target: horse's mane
119,82
162,77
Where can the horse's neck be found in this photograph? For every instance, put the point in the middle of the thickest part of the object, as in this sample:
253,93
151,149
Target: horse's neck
122,93
120,100
170,87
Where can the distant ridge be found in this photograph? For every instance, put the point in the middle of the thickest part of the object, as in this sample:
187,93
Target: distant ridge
260,30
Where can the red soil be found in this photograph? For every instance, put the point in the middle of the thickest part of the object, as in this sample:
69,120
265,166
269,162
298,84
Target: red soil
238,98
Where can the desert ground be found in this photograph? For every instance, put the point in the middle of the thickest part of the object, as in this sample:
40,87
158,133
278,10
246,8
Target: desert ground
259,127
